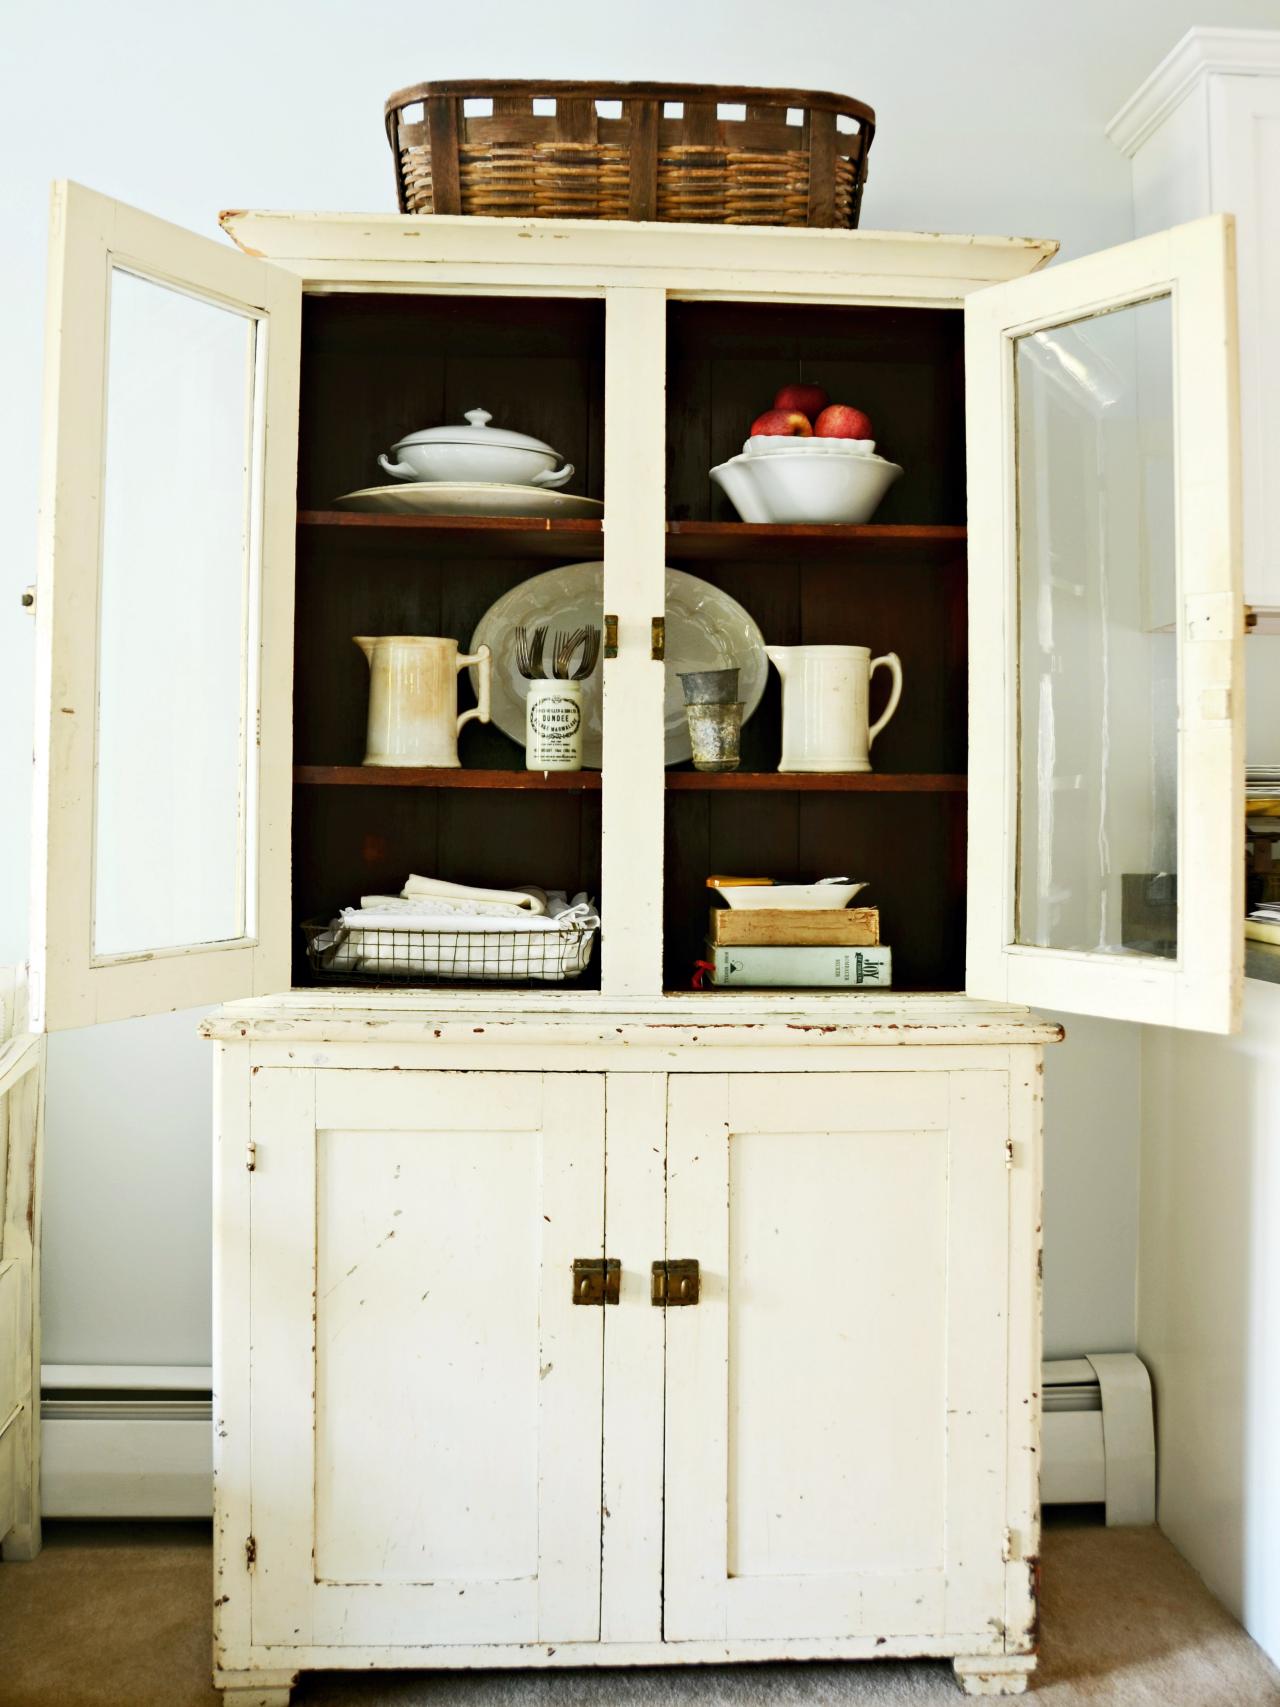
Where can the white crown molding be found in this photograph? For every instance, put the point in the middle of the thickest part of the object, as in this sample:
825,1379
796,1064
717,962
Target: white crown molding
1201,53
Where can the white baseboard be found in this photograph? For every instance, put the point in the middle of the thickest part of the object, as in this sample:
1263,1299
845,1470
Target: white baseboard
119,1442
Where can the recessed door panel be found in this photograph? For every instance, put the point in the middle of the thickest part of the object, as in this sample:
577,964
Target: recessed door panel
427,1456
836,1399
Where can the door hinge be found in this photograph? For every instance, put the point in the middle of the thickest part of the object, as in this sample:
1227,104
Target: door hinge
1008,1550
675,1281
1008,1152
251,1155
596,1280
658,639
610,636
250,1552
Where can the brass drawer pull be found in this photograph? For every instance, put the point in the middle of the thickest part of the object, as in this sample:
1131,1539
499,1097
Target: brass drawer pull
596,1280
676,1281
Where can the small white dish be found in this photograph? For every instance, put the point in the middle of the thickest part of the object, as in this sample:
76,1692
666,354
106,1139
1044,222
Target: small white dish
476,452
800,488
790,897
774,444
471,498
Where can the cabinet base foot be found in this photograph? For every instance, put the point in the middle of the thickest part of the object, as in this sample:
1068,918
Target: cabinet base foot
994,1674
255,1688
21,1544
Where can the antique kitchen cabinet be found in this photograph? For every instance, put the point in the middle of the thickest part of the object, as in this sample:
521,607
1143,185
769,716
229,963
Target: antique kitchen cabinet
618,1322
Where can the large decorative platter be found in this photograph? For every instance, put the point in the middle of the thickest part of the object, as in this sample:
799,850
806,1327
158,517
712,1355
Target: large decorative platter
472,498
706,630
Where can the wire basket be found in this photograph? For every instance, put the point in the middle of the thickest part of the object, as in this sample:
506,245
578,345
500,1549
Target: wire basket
342,954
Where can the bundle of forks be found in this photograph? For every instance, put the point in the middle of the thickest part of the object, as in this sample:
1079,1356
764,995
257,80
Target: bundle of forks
531,646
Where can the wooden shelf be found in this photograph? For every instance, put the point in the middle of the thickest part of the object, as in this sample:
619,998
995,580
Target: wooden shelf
396,776
588,782
814,782
471,536
688,542
718,542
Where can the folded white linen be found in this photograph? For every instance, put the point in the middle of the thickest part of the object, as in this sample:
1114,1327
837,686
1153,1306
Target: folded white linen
560,914
438,907
525,899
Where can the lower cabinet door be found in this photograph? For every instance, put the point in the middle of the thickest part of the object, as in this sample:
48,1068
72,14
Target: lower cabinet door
426,1397
836,1400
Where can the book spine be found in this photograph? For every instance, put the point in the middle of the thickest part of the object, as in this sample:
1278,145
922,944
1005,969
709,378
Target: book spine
826,968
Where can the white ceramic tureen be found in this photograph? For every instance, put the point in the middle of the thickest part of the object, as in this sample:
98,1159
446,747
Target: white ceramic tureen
476,452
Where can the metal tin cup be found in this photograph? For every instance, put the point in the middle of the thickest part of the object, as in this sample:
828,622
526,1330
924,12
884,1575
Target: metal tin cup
716,734
709,687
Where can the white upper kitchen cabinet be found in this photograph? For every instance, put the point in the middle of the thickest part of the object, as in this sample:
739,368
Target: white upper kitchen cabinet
205,407
1203,133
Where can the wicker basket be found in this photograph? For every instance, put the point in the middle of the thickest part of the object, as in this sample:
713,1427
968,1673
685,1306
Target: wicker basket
666,151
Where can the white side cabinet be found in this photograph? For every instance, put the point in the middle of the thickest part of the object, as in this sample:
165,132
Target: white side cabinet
650,1354
1203,133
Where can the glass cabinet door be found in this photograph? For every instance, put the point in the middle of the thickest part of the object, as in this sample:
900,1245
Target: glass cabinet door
164,611
1106,778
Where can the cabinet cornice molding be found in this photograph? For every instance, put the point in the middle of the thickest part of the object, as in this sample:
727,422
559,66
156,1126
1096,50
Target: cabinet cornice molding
1200,53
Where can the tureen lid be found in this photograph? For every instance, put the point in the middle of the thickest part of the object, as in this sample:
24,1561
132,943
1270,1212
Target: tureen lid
478,432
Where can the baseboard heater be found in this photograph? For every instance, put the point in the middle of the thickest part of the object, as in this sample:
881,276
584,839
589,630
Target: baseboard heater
1098,1438
120,1441
136,1442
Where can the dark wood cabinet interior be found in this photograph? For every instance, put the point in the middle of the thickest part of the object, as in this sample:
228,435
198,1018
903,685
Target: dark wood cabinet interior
377,366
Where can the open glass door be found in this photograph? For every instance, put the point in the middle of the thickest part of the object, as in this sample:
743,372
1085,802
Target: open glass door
1106,691
164,612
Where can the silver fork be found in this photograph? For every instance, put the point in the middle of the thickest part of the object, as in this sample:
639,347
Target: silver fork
562,649
529,652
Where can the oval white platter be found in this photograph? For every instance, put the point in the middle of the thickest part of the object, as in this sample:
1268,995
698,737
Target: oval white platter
471,498
706,630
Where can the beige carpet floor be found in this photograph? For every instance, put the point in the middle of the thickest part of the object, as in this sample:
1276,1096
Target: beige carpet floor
117,1616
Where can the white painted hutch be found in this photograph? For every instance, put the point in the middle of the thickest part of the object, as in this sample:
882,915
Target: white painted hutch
789,1407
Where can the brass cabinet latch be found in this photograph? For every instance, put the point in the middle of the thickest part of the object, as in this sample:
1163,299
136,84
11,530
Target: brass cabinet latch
610,636
658,639
596,1280
676,1281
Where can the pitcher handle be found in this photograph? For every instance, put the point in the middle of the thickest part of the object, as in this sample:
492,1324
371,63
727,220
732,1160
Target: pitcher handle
484,658
894,666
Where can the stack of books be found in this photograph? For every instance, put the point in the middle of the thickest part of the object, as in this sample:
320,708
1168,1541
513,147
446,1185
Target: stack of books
798,948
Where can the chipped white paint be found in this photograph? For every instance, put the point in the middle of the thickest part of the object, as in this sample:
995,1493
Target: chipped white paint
426,1455
442,1461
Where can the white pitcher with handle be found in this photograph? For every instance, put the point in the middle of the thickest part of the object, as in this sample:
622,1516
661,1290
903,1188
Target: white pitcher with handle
825,696
413,698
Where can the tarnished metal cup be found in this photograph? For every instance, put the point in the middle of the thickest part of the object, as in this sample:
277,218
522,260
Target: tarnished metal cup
716,734
709,687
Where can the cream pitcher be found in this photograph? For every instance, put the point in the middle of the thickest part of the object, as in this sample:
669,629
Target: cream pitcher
413,698
825,692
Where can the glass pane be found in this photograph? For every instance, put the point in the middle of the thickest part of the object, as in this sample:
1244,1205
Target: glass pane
178,592
1098,774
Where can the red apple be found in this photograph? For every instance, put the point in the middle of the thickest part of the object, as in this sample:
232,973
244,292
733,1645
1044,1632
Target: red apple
810,400
842,422
786,422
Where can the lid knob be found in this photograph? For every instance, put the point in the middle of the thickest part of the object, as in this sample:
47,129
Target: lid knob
479,417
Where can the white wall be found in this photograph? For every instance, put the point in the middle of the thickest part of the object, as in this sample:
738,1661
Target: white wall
992,116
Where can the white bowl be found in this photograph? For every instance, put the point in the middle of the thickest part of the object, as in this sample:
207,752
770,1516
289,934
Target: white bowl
803,488
771,444
790,897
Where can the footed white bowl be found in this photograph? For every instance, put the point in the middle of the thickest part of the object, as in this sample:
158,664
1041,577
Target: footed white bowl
803,488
